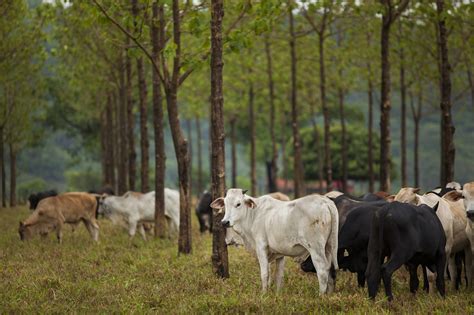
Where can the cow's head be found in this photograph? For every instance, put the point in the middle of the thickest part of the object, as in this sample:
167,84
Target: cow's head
236,204
25,231
454,185
407,195
33,201
468,195
102,204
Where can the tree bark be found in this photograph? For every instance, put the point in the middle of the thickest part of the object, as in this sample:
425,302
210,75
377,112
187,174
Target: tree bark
122,125
327,121
253,162
344,140
2,169
190,143
233,143
416,119
109,141
132,155
272,164
403,138
297,160
447,126
12,176
370,151
160,157
180,143
199,156
103,146
220,263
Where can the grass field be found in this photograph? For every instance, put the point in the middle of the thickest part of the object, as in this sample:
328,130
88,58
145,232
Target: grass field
117,275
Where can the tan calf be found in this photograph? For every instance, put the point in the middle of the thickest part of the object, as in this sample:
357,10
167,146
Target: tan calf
52,213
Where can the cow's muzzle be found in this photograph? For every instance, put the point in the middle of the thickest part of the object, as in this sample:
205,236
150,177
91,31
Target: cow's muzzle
470,214
225,223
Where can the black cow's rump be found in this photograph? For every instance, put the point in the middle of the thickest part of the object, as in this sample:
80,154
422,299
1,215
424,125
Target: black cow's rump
204,212
35,198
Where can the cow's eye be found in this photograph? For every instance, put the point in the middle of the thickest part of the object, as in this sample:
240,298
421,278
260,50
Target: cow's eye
238,205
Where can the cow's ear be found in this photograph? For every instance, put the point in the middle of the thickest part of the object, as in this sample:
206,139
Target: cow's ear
453,196
416,190
218,203
250,203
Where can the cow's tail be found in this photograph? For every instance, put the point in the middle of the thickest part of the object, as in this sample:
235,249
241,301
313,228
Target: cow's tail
333,237
375,251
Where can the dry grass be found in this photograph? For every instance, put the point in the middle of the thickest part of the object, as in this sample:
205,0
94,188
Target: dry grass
118,276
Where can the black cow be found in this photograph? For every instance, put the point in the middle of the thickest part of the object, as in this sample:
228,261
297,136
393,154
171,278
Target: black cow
204,212
345,204
104,190
406,234
34,199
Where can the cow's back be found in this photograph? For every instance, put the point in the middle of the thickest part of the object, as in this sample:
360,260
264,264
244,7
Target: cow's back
74,206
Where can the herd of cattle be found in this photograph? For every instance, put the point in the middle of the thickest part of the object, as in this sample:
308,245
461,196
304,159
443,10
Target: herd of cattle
372,235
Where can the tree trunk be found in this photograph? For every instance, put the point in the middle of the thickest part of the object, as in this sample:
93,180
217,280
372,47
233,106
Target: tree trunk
370,151
12,176
298,171
385,106
220,264
2,170
416,119
448,149
344,140
471,85
272,164
160,157
122,125
403,138
253,166
109,141
318,151
233,143
144,143
327,122
190,143
180,143
132,155
103,146
199,156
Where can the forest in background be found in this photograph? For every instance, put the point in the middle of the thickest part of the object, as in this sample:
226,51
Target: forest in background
70,56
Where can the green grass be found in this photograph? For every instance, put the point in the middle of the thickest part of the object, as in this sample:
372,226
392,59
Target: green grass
121,276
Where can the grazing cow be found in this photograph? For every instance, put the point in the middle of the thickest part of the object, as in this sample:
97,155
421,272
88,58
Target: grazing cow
34,199
204,212
454,221
53,212
406,234
134,208
273,229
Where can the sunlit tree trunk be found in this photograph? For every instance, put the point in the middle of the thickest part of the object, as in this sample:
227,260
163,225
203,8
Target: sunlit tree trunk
220,264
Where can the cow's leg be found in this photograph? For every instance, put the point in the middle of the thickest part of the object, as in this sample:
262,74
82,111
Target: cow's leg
440,268
468,265
93,229
361,278
426,284
322,267
264,267
141,230
132,228
202,223
280,269
414,282
453,273
59,233
387,270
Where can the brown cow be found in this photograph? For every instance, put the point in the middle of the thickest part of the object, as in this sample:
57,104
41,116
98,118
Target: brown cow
52,213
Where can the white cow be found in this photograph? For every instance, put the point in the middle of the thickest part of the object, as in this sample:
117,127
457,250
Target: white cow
273,229
134,208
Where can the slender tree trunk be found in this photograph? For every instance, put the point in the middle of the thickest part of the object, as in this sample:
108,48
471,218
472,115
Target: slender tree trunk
298,170
447,126
12,176
403,137
385,184
180,143
220,264
199,156
327,122
2,170
370,151
233,143
109,154
122,125
144,143
344,140
103,147
132,155
253,166
190,142
416,119
272,164
319,150
160,157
